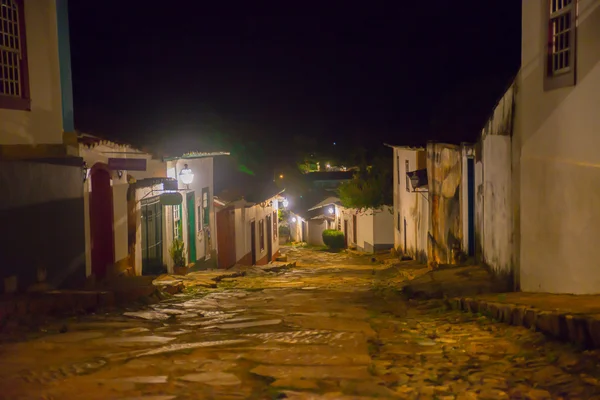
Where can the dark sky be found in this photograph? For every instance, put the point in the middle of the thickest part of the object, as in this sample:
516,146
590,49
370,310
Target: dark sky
176,72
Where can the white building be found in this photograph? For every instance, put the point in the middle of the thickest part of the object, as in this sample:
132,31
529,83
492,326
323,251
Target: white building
369,230
41,206
555,147
411,206
248,229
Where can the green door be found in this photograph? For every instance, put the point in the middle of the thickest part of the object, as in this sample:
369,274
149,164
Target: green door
191,226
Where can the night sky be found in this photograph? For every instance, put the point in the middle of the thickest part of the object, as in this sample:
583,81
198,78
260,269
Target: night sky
263,80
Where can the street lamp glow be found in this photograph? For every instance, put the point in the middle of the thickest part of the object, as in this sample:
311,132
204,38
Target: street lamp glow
281,176
285,203
331,210
293,219
186,175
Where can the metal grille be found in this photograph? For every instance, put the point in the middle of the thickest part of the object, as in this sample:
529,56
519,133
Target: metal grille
561,30
10,49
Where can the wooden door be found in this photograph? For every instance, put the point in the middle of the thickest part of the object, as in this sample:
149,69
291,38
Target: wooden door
226,238
191,226
101,222
253,241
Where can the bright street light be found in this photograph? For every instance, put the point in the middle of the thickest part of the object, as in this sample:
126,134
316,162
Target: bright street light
186,175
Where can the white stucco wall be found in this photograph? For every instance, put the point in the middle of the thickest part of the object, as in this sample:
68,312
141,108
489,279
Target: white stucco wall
256,213
559,163
364,228
412,206
383,227
43,124
315,232
202,168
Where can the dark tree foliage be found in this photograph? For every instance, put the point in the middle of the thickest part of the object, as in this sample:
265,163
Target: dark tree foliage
371,187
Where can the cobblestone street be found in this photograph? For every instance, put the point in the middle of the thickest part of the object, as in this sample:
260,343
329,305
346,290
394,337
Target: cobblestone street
334,327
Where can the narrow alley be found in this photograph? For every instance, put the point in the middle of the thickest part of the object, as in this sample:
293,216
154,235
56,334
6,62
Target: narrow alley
333,327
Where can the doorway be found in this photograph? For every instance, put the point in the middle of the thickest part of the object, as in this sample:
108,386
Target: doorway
304,231
354,224
346,233
405,236
471,205
152,251
253,241
226,238
191,226
101,221
269,238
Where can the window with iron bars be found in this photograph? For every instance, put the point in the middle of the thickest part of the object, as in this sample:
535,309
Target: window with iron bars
560,32
14,85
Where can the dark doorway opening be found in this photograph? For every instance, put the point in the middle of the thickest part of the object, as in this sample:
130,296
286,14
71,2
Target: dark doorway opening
269,238
226,237
405,235
253,241
471,205
354,228
346,232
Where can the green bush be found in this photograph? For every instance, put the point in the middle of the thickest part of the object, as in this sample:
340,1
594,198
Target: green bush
334,239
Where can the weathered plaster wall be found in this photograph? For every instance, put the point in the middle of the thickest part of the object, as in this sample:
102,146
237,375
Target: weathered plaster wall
413,207
41,223
494,187
444,170
559,161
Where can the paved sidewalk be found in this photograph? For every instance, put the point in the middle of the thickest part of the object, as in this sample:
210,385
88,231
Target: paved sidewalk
573,318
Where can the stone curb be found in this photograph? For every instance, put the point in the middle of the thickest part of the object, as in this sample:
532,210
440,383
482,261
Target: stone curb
58,302
580,329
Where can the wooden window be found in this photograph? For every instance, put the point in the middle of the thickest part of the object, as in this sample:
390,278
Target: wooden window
14,73
205,207
560,65
275,230
177,227
261,234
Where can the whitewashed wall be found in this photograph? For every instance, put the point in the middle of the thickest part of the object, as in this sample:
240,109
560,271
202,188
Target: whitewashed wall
383,227
202,169
559,138
315,232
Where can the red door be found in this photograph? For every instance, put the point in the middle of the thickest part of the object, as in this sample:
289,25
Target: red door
101,221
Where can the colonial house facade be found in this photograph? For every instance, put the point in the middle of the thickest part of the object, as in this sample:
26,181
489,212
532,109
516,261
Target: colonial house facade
248,228
555,141
137,204
40,171
434,202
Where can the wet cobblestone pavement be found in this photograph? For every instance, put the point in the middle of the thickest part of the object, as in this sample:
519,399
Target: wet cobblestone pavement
332,328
